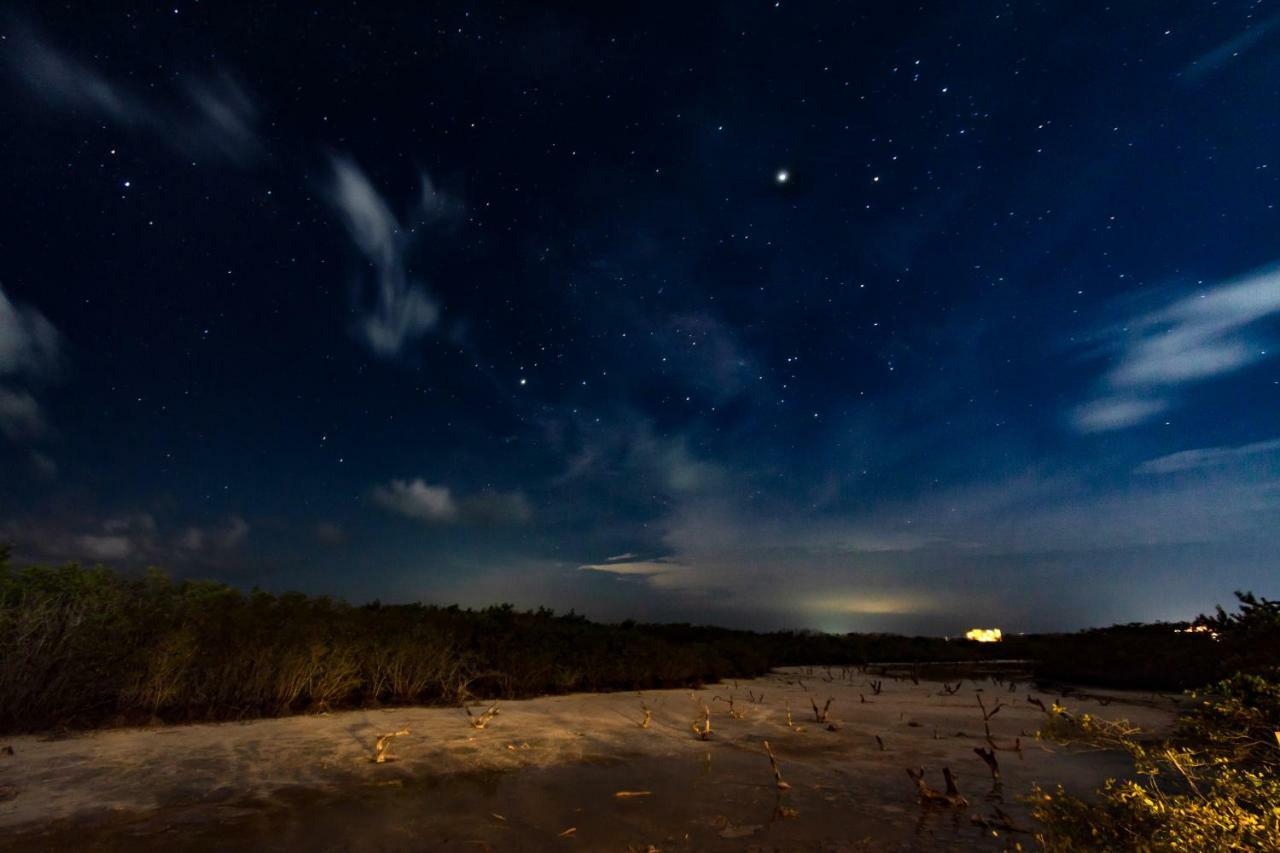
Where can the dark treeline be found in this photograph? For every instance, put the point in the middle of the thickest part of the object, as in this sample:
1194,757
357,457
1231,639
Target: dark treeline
1162,656
82,647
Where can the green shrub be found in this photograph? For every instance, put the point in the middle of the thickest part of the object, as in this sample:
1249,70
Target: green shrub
1214,786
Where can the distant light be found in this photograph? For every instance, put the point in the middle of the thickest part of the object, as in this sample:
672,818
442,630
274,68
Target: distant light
524,381
984,635
1199,628
783,176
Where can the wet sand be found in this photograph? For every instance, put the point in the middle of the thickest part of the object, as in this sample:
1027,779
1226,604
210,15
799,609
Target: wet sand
546,766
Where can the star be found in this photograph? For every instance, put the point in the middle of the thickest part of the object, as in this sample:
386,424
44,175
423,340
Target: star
783,176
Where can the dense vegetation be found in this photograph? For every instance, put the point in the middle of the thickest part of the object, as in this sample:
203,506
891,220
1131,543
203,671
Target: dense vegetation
1214,785
90,646
84,647
1147,656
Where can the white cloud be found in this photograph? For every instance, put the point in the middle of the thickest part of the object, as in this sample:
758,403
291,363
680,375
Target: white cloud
398,311
1195,338
330,533
1207,457
1111,413
212,117
416,499
20,415
105,547
43,465
28,342
1230,50
422,501
644,568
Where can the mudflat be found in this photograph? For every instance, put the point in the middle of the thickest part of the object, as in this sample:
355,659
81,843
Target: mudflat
580,771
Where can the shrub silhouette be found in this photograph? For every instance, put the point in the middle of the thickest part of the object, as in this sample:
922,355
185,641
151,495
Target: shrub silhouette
86,647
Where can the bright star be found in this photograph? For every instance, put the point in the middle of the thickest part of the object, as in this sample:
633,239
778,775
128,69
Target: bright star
783,176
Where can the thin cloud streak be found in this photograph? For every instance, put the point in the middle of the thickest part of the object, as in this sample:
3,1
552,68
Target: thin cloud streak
1208,457
30,351
398,310
1193,339
214,117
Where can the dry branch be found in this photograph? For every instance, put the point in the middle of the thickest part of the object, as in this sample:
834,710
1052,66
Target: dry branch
777,774
384,743
931,796
989,756
481,720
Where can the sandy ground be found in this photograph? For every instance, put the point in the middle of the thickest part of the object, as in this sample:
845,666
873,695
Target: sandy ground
546,766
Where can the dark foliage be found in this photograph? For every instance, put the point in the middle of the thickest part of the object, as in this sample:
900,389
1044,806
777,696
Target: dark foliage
85,647
1161,656
1153,657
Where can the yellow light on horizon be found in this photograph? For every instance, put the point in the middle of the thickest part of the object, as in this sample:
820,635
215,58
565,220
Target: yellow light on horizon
984,635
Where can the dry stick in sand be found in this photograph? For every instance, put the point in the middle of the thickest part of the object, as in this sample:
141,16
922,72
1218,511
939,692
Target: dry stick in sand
627,795
876,687
648,715
383,744
1001,821
931,796
790,723
989,756
737,715
986,725
880,741
777,774
479,722
820,716
705,732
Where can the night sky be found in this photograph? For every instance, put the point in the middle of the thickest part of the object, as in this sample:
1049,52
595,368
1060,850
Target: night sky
853,316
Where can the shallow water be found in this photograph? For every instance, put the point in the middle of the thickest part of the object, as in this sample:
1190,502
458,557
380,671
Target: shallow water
551,765
722,801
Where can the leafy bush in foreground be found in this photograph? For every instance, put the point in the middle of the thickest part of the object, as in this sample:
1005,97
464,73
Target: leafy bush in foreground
1214,786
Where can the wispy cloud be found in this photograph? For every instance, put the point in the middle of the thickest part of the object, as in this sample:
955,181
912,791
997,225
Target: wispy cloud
643,568
424,502
1116,413
205,117
20,415
628,448
1208,457
29,343
229,535
1229,50
135,538
397,309
418,500
1195,338
29,353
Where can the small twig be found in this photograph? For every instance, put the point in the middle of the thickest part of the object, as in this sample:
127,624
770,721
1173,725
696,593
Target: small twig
383,745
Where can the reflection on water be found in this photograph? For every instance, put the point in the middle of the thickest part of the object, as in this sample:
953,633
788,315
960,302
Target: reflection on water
695,804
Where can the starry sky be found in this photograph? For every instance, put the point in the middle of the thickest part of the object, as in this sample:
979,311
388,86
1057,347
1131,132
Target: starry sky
847,316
